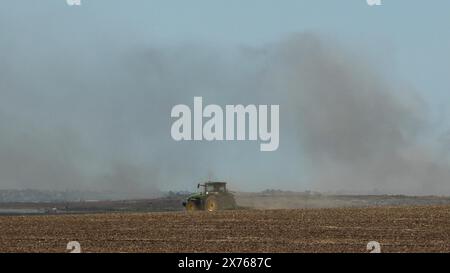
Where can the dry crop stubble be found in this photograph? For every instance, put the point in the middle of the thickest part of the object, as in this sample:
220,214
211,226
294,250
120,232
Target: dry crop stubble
397,229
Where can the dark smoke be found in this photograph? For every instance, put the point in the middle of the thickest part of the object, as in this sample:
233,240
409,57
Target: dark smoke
94,114
357,132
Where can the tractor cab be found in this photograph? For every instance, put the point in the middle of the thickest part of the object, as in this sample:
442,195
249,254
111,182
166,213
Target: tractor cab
213,187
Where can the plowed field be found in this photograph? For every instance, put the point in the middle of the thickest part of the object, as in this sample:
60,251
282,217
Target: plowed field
397,229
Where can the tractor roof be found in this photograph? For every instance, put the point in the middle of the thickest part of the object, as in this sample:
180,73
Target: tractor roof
216,183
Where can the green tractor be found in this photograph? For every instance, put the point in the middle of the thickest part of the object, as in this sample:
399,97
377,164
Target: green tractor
214,196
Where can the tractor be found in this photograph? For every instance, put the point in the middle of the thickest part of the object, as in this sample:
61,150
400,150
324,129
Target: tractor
214,196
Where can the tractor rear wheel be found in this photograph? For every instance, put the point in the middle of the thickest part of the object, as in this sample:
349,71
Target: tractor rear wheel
191,206
212,204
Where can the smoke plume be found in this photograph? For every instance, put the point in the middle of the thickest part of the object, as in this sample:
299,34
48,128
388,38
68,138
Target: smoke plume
93,113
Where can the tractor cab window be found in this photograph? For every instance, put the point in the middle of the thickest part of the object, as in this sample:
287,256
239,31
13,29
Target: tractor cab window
215,188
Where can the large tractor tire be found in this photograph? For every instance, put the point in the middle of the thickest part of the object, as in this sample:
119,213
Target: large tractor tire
212,204
191,206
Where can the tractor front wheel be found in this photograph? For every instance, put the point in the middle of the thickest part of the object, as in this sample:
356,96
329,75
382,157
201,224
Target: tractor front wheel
191,206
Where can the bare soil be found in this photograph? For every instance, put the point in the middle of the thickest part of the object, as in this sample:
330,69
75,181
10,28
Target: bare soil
397,229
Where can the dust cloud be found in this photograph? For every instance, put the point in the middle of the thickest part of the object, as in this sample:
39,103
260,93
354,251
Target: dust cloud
80,112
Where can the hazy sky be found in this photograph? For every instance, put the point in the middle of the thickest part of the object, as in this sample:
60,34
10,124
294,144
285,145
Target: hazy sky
74,80
411,35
